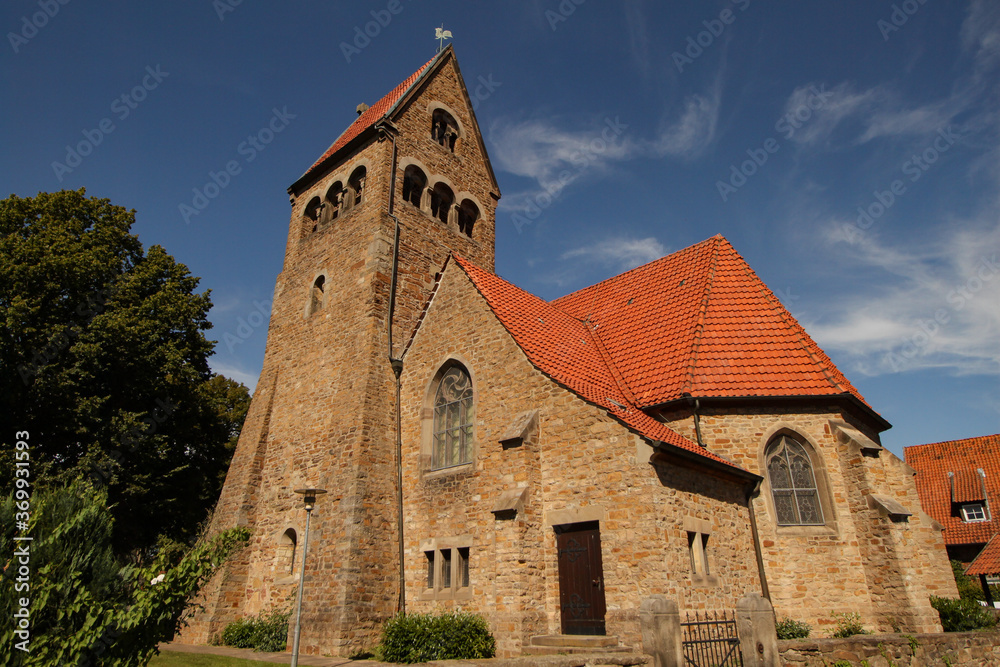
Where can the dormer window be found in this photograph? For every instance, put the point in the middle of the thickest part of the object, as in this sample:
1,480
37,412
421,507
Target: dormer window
973,512
444,129
968,495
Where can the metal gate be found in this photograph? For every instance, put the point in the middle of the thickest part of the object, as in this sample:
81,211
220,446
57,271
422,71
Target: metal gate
710,640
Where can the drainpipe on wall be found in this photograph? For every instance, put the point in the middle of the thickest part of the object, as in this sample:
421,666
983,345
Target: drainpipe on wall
753,492
693,402
397,369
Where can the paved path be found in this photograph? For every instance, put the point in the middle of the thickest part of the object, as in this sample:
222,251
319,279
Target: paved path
581,660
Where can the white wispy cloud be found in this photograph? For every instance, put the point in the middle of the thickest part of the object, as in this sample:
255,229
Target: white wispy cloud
981,33
555,157
249,378
936,306
814,111
619,254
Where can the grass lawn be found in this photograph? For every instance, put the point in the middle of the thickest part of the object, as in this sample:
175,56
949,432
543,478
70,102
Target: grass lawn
170,659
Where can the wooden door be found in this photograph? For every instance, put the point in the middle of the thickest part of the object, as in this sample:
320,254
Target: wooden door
581,578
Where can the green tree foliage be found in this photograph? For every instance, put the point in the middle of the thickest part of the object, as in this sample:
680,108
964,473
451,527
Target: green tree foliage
86,607
104,360
969,588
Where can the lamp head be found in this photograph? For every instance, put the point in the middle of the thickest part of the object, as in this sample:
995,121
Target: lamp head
309,496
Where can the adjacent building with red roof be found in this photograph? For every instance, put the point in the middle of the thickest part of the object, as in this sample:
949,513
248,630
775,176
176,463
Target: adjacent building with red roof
959,485
670,431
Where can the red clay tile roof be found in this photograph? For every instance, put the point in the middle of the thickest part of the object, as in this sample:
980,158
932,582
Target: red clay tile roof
700,321
967,486
373,114
988,560
933,462
565,348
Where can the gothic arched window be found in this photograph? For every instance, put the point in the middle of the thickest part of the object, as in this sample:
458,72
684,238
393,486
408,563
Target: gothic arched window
793,483
454,413
414,184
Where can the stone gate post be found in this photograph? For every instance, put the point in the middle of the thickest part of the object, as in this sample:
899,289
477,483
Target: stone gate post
758,636
660,621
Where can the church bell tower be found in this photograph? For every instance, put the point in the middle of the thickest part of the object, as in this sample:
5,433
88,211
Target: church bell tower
373,221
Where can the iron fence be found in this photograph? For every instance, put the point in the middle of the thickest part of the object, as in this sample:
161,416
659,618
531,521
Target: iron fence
710,640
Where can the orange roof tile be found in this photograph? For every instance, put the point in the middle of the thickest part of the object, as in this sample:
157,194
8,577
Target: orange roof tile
565,348
373,114
933,462
700,321
988,560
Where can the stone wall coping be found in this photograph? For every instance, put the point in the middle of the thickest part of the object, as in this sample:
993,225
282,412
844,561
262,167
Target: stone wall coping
818,643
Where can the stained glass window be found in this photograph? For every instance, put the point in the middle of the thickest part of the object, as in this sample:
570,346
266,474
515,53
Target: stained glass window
793,484
453,417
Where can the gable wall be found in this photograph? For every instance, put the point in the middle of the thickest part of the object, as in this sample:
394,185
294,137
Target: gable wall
583,465
861,560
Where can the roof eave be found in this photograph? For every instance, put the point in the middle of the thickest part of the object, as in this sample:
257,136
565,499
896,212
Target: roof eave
726,471
306,180
878,421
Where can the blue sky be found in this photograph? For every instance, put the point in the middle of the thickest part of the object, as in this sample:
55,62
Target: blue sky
849,150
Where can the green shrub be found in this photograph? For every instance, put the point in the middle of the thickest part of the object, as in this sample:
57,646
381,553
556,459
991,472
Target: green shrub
421,637
789,629
849,624
265,632
962,615
87,606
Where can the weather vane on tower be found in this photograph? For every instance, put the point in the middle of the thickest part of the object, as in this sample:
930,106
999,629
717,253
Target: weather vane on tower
441,34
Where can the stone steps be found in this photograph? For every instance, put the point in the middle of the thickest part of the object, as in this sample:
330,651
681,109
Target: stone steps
573,644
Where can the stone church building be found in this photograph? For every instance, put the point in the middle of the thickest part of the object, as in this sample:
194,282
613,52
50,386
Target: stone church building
548,464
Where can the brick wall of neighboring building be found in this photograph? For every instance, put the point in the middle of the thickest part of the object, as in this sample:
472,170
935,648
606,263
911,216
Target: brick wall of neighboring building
860,560
582,465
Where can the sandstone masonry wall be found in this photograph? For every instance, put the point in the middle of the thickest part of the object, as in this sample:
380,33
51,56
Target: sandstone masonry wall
584,465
